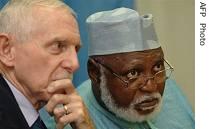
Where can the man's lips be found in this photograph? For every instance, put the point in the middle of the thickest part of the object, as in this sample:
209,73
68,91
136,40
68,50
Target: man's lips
147,104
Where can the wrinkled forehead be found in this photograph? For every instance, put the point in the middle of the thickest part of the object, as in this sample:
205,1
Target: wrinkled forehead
153,54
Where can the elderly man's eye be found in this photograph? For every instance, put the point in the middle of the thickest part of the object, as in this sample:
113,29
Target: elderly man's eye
58,47
158,67
133,74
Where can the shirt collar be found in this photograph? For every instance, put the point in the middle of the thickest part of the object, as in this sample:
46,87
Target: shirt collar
26,107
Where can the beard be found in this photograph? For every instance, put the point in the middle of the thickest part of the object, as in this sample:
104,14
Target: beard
128,113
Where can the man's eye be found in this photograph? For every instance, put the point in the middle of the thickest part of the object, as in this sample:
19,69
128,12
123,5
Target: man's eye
133,74
158,67
58,47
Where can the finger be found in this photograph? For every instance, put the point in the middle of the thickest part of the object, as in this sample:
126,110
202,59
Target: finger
72,117
59,126
55,100
75,98
62,99
73,107
59,111
59,85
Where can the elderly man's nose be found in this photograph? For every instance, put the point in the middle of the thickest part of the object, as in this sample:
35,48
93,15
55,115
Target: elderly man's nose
70,62
149,86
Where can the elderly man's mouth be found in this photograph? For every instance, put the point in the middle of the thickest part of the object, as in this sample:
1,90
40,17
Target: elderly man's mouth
149,104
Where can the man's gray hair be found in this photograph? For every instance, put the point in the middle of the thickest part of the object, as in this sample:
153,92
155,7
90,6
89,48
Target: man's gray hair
16,16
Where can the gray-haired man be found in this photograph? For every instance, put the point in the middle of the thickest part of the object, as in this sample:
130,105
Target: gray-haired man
39,41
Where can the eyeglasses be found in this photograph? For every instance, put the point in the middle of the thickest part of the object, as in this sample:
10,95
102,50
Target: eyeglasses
158,77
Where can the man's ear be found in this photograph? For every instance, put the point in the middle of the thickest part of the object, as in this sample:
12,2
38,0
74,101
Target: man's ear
93,71
6,50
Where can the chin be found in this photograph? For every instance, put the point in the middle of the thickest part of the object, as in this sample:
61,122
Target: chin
43,96
132,113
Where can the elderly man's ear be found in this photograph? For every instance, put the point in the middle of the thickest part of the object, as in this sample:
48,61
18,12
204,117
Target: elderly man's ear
93,71
6,50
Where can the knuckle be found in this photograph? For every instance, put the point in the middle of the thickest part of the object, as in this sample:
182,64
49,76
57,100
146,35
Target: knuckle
56,112
61,121
69,97
49,110
80,105
77,97
80,116
55,98
67,82
80,112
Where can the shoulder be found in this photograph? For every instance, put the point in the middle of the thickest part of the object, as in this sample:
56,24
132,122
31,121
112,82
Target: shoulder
174,95
176,112
84,88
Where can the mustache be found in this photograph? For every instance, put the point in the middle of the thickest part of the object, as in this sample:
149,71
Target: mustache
147,97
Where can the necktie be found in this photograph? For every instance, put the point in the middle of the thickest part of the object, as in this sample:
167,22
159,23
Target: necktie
38,124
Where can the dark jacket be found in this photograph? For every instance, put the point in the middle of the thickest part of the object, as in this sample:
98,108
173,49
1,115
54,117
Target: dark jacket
11,116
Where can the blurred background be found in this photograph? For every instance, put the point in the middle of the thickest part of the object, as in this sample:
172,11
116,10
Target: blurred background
174,23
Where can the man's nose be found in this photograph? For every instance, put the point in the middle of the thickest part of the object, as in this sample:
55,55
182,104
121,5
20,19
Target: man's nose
70,61
149,86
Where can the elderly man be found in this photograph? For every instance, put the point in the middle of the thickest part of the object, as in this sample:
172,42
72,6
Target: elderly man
39,41
128,74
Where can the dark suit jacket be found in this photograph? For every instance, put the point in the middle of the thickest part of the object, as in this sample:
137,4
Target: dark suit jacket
11,116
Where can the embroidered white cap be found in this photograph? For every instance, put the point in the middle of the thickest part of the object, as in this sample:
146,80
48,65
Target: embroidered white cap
120,30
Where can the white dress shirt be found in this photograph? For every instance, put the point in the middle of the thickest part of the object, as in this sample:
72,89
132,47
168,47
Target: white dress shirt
26,107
